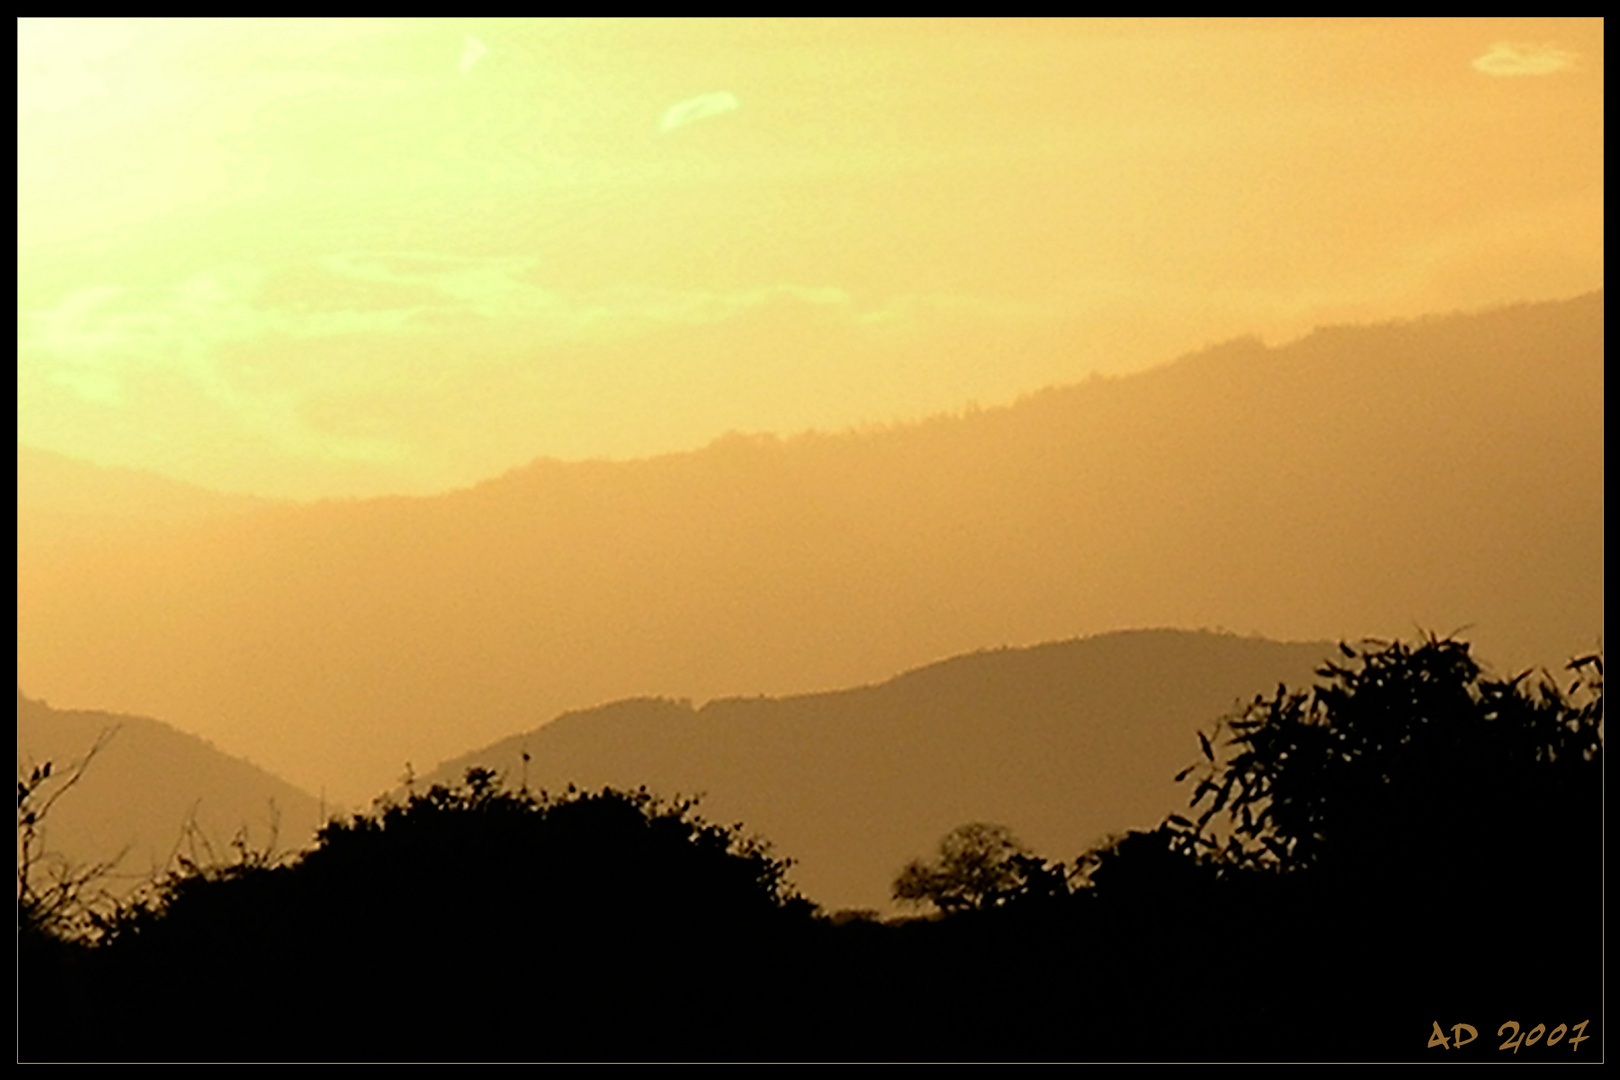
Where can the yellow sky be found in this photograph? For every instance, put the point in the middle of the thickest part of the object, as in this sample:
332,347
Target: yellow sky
347,257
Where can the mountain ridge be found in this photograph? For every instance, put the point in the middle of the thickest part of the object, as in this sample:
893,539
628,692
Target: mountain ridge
1065,742
1360,481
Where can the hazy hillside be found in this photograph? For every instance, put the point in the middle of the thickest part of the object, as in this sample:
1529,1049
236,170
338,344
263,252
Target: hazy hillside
153,791
70,510
60,497
1443,473
1065,742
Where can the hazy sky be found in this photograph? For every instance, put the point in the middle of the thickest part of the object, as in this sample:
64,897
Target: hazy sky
348,257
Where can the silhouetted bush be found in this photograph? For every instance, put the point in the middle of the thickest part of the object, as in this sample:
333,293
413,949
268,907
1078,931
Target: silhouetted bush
471,923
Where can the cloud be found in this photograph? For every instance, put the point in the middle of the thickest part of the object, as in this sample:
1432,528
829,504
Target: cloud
472,51
335,360
699,108
97,342
1519,58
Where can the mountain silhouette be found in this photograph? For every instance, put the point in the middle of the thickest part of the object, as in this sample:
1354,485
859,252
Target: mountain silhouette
1440,473
1067,743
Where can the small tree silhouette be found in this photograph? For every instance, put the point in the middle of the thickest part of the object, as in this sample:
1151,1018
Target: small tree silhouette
979,866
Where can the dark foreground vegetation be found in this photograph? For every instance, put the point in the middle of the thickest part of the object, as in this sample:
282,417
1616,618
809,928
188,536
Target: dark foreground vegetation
1365,866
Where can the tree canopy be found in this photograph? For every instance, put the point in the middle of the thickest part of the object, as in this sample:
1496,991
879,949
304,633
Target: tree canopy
1404,755
978,866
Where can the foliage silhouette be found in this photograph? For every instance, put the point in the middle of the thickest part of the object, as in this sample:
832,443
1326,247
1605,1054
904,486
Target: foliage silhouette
56,899
496,924
1409,835
1404,757
1409,840
979,866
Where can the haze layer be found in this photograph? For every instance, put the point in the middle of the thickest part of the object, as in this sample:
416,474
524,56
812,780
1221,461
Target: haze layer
1442,474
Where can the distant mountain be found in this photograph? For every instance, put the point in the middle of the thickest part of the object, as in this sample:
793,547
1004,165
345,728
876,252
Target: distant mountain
70,510
153,792
60,496
1441,473
1065,743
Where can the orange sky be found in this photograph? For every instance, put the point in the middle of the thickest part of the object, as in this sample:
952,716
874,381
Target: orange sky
309,258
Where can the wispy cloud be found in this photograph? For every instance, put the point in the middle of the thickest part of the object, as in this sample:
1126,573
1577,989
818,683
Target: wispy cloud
1520,58
338,360
98,341
702,107
472,51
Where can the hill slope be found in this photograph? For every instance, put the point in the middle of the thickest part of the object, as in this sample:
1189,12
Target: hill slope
1066,743
152,792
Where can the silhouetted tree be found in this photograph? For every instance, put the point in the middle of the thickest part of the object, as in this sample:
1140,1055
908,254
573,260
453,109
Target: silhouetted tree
1407,835
1403,757
979,866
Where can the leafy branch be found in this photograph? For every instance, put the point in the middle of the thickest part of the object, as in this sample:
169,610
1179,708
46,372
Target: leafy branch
53,894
